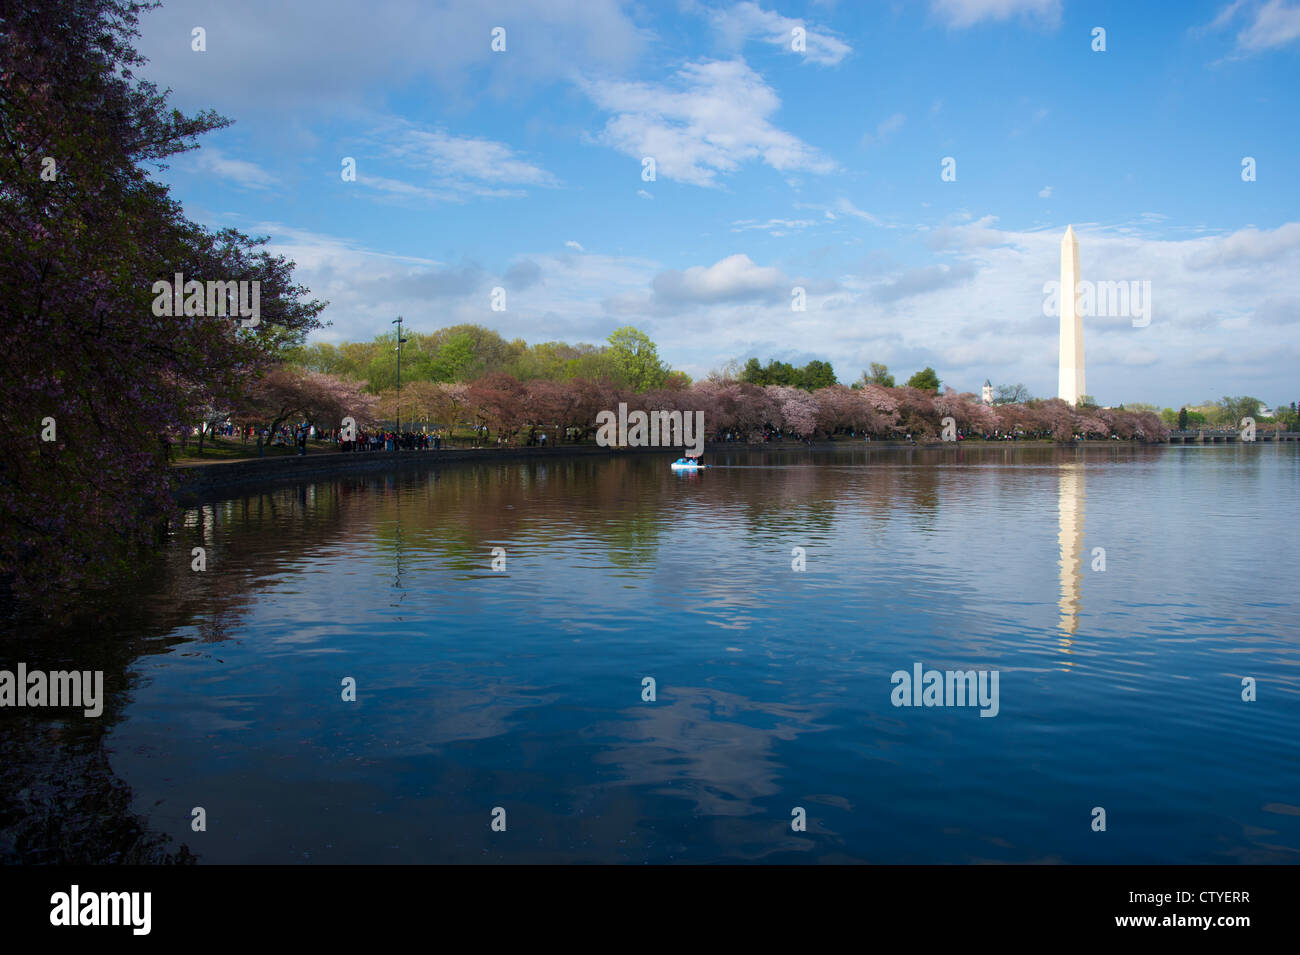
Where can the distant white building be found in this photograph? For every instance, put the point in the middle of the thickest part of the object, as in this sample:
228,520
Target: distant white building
987,395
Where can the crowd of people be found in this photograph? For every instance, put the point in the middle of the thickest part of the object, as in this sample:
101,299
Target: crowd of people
289,435
390,441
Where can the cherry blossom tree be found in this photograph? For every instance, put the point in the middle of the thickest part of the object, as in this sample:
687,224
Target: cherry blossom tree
98,384
797,411
1059,418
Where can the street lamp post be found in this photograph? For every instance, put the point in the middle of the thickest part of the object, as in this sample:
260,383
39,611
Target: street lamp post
397,409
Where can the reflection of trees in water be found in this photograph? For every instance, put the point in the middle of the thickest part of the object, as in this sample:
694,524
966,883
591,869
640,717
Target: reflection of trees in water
801,491
59,800
61,804
917,485
459,513
795,502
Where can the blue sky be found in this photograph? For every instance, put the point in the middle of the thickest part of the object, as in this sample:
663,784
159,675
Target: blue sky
775,168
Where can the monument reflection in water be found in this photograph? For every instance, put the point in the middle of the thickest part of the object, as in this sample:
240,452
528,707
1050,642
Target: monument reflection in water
1070,496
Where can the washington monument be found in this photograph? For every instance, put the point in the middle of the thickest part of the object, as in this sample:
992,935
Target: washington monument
1072,386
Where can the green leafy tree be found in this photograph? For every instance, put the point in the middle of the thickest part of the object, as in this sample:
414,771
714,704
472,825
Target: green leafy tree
466,352
1228,412
355,358
590,364
545,360
815,374
783,373
322,357
456,359
924,380
818,374
1182,419
635,359
878,375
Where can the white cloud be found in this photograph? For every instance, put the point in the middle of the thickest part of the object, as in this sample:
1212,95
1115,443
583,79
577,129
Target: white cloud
326,253
441,167
331,55
1268,26
566,294
776,227
1045,192
747,20
733,278
247,174
643,194
959,14
967,237
468,158
847,208
1247,248
522,274
453,167
931,278
400,190
885,130
571,244
363,285
1226,15
713,117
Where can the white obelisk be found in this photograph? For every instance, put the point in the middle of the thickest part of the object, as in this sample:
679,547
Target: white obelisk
1072,386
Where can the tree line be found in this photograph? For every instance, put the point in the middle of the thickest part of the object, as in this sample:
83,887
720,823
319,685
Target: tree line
462,353
501,405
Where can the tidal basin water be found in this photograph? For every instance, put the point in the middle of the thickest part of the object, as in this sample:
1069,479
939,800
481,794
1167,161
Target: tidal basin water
522,688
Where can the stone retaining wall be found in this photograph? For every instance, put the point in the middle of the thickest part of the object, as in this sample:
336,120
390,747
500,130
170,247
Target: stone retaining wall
198,480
